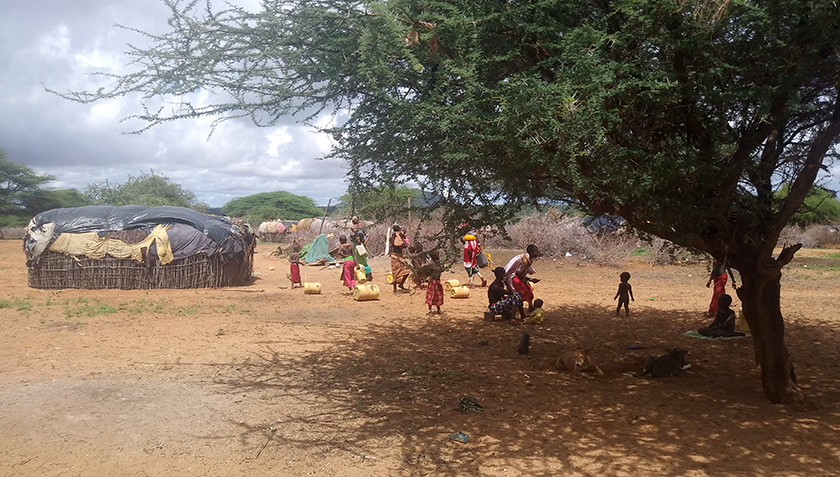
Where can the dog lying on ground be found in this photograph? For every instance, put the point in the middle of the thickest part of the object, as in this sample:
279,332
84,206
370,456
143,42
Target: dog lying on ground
577,361
667,365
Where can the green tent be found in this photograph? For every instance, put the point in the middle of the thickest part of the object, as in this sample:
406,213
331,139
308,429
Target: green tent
316,250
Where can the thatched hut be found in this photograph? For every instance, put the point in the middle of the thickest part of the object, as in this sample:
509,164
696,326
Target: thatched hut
136,247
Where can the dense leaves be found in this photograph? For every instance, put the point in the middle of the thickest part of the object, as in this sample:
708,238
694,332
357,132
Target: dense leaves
279,205
684,116
820,206
22,193
381,203
151,190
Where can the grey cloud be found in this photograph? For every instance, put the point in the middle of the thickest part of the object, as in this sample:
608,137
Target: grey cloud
41,42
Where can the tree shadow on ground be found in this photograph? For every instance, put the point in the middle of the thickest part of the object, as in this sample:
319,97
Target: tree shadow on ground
398,387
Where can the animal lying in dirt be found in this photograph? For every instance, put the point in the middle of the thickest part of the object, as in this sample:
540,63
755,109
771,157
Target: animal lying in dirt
667,365
577,361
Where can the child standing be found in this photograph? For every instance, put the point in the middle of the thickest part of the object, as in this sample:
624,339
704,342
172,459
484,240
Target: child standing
434,293
624,294
536,317
348,265
294,270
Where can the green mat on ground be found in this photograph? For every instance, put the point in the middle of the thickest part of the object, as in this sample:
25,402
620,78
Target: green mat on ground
694,334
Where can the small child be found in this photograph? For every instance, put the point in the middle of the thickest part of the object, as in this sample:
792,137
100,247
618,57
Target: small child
724,322
294,270
624,294
536,317
434,293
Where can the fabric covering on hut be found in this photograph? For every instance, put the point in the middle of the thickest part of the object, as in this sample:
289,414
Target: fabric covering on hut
316,251
136,247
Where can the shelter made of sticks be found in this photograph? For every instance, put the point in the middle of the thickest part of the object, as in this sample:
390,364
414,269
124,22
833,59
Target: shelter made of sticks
135,247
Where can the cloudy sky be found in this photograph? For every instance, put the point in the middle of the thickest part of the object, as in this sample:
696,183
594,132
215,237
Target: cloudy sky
58,44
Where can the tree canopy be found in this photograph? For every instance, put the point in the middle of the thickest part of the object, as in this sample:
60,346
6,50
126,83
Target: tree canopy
820,206
276,205
22,193
380,203
151,190
684,116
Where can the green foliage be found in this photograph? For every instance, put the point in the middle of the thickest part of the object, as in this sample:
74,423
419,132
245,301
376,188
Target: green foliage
819,207
272,206
682,117
97,308
63,198
151,190
22,193
650,110
380,203
18,304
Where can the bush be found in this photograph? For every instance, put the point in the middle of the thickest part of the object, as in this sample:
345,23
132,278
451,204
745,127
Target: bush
811,236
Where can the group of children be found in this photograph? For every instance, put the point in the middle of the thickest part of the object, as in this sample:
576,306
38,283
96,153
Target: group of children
723,324
504,296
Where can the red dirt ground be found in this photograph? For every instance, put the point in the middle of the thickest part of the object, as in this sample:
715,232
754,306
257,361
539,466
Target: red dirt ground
274,382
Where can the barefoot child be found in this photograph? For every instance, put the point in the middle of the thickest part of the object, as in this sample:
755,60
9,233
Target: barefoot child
434,293
294,270
624,293
348,265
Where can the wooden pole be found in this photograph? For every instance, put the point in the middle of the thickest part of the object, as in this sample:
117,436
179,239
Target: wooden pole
325,216
408,229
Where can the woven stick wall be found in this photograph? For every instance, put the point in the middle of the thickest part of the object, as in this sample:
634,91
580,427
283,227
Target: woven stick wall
56,270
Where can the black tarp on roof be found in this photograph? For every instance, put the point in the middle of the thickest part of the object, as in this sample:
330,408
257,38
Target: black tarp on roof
104,218
192,231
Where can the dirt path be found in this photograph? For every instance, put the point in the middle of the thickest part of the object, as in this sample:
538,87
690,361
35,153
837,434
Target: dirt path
217,382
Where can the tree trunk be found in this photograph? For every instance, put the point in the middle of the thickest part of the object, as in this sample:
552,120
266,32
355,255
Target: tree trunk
760,299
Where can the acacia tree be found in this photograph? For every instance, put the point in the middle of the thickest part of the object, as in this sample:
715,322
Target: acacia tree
272,205
682,116
151,190
22,192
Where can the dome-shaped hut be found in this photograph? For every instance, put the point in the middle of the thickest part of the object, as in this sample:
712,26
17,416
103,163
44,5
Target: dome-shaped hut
136,247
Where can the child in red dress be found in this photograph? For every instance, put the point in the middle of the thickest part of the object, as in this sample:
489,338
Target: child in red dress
294,270
434,293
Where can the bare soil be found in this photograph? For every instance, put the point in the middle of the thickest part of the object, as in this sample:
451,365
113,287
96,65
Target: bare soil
266,380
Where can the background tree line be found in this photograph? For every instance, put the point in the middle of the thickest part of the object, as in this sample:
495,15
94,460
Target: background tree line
25,193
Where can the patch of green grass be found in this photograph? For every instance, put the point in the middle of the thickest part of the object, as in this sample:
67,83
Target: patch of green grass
835,256
230,308
186,310
639,251
18,304
97,308
820,267
138,306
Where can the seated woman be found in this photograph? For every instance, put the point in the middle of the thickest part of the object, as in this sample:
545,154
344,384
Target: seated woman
724,322
501,301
